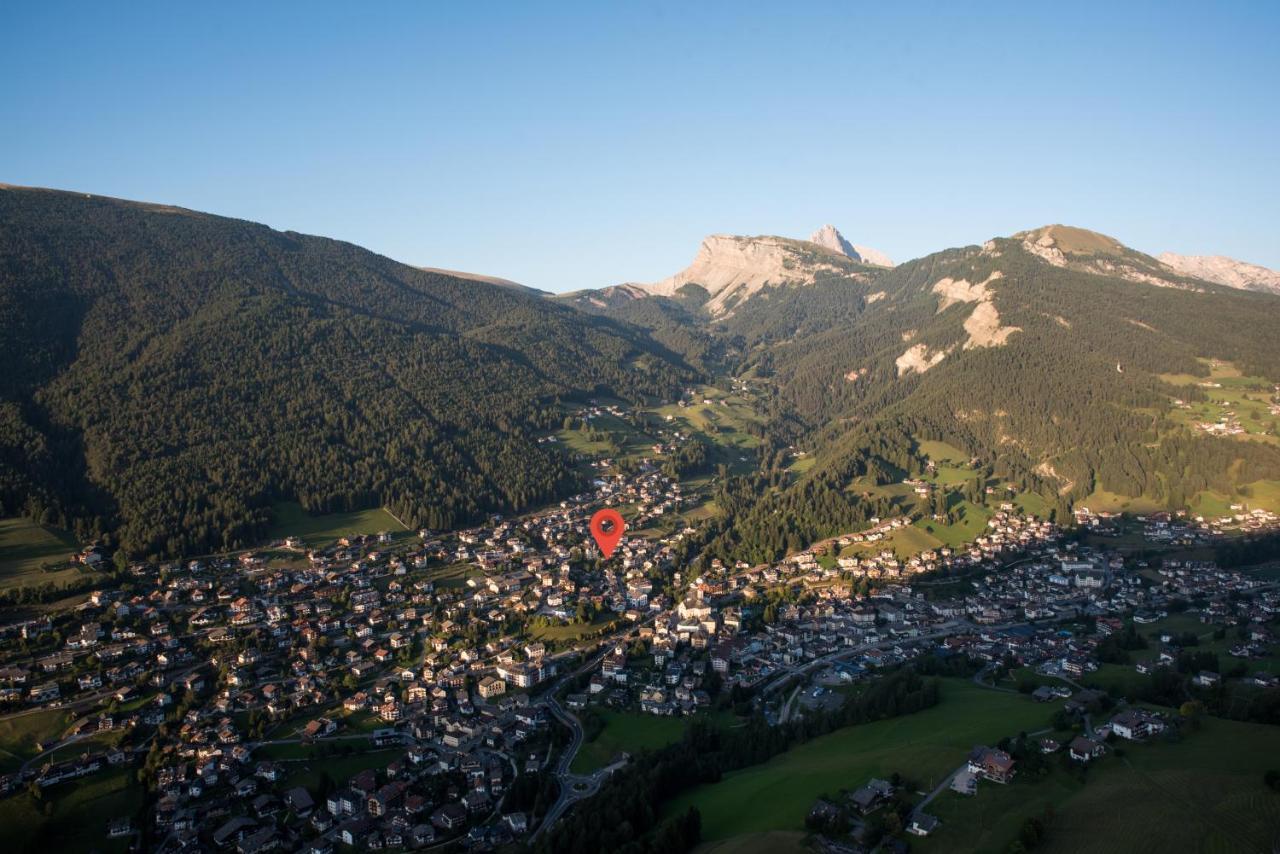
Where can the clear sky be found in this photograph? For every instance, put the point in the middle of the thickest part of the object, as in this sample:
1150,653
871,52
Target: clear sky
568,146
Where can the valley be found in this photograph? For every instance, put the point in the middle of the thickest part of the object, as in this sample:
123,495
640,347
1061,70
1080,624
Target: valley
341,595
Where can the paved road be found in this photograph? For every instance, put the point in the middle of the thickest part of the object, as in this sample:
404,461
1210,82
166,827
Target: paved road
575,787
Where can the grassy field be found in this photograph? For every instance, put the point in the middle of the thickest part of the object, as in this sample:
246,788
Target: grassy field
941,452
22,735
1204,794
339,768
570,632
626,731
925,746
1030,502
292,521
632,732
1231,394
1101,500
1262,493
76,817
773,842
25,547
904,542
972,522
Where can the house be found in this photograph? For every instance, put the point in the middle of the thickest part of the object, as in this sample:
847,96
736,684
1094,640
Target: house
1043,694
1207,679
1085,749
922,824
299,800
491,686
1136,724
449,817
991,764
872,796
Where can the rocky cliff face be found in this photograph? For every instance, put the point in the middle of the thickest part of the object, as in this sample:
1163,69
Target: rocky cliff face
828,237
1225,271
732,269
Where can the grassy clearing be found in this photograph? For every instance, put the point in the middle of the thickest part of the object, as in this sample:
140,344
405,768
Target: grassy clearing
971,523
571,632
26,548
924,746
72,817
904,542
626,731
292,521
1100,500
1033,504
1262,493
942,451
800,465
22,735
339,768
632,732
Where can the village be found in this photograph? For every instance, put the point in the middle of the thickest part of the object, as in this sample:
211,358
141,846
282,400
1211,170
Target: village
403,691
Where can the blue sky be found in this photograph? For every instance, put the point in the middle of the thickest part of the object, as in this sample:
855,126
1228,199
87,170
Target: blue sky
570,146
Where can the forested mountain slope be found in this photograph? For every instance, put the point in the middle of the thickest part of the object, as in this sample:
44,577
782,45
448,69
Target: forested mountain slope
168,374
1061,358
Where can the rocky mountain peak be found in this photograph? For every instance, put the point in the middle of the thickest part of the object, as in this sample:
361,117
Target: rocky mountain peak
830,238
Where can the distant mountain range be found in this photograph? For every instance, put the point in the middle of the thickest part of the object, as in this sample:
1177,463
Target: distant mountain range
171,374
1225,271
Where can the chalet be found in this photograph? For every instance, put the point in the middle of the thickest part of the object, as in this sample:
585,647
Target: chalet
871,796
991,764
1084,749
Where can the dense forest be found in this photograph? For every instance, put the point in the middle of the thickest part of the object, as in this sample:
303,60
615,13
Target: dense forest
170,374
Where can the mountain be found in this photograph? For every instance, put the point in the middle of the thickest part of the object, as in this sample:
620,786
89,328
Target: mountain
1224,271
730,271
1063,359
171,374
829,238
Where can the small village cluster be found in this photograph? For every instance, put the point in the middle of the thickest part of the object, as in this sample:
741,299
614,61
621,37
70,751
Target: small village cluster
1183,528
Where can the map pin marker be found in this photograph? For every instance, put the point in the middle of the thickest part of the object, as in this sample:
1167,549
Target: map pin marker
607,527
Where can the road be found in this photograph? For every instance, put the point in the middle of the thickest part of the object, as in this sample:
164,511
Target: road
575,787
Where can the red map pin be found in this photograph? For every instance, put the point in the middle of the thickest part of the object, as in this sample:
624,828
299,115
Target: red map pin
607,527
